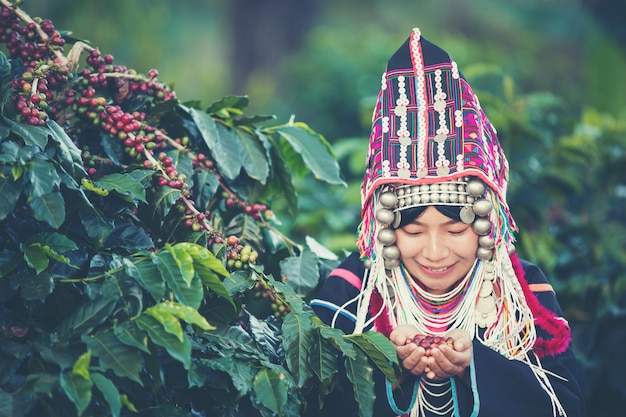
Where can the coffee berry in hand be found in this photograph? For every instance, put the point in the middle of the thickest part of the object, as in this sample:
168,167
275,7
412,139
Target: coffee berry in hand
429,342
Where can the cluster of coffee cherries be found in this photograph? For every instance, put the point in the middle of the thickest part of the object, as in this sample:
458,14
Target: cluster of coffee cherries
263,291
196,221
429,342
239,256
257,211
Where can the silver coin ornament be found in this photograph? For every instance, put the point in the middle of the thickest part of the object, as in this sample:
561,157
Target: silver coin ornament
391,252
388,199
482,226
482,207
467,215
486,242
387,236
385,216
475,188
484,253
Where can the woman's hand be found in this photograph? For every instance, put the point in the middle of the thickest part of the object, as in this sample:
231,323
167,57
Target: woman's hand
412,357
441,362
451,361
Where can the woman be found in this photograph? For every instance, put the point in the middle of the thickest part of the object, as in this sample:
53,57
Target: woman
436,259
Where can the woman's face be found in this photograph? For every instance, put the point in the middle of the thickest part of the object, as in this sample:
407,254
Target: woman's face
437,250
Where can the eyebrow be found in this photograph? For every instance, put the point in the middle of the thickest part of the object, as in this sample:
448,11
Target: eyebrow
448,223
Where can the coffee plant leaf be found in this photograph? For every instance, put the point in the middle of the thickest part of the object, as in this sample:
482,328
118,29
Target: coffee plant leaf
123,184
129,236
49,208
271,389
335,337
282,184
85,318
43,178
253,156
5,68
223,144
125,361
314,150
361,373
301,272
32,135
77,383
298,336
186,286
323,357
109,392
205,186
129,333
182,312
379,349
70,155
36,287
179,350
229,103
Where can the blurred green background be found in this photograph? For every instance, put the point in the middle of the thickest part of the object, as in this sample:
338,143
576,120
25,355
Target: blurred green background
549,73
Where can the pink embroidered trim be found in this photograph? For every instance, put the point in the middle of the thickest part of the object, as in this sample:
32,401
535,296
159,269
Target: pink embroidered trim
348,276
544,318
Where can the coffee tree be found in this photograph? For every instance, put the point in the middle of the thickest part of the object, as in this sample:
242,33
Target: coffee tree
142,270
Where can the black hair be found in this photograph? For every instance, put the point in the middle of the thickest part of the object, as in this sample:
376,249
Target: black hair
409,215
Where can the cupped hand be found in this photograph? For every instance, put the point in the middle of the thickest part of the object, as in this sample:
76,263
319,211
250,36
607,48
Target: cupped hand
450,361
439,363
412,357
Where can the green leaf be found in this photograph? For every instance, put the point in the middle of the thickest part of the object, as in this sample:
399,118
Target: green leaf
129,334
170,323
10,191
223,143
77,383
282,181
147,274
323,357
109,392
36,287
185,313
35,257
205,185
229,102
77,389
43,178
32,135
97,228
49,208
298,337
124,360
208,268
314,150
271,388
301,272
253,156
86,317
123,184
179,350
379,349
183,261
361,374
336,337
161,203
70,154
188,293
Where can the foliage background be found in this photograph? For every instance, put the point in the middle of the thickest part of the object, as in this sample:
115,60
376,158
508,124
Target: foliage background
547,72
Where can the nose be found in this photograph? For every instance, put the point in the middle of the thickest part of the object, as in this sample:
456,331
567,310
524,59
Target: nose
435,248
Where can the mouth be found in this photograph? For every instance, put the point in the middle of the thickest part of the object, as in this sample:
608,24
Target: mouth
437,270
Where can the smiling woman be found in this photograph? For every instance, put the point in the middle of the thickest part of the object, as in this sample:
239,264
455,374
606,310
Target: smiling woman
477,330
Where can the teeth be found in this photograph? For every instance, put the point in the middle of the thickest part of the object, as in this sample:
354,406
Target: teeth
438,269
